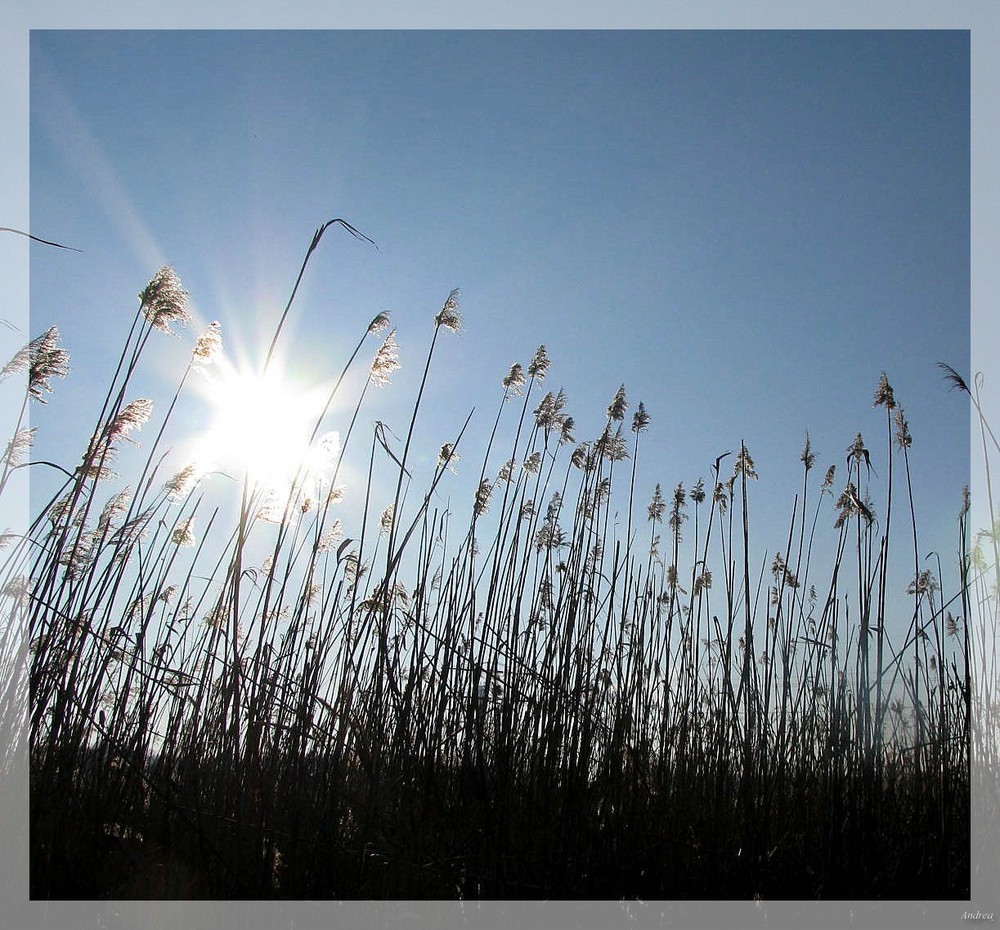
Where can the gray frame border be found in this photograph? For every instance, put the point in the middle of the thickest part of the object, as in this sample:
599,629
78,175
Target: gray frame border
980,17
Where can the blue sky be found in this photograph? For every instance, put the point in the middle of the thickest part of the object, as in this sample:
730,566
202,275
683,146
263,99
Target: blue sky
745,228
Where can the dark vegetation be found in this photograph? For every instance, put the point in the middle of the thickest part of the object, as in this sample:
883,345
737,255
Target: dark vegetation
511,702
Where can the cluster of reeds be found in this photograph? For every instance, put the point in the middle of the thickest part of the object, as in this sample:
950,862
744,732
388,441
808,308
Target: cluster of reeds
507,701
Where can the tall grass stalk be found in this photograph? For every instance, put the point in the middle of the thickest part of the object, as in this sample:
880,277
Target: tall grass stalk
504,699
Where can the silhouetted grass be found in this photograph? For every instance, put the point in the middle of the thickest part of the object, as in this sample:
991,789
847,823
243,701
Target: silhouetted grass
510,701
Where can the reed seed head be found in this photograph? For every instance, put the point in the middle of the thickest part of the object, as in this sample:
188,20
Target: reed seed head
514,381
808,457
208,347
182,483
46,360
698,492
164,301
448,316
18,363
379,323
618,405
132,416
657,506
539,364
386,361
744,463
183,534
483,494
883,394
117,505
18,445
640,419
903,438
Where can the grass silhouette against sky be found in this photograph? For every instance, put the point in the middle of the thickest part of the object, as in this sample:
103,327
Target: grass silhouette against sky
745,228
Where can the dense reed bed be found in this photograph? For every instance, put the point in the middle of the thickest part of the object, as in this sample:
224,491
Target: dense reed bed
510,699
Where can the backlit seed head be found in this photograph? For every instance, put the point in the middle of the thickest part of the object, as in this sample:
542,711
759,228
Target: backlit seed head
539,365
515,379
447,456
883,394
18,363
656,506
208,348
164,301
19,444
744,463
618,405
327,540
132,416
386,361
183,534
808,457
612,448
950,624
483,495
903,437
698,492
448,316
117,505
45,361
379,323
856,449
182,483
640,419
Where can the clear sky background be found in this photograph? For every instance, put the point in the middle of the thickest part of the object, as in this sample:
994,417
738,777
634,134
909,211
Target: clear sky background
745,228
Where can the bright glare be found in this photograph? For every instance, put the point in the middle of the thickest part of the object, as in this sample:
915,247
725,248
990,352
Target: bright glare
261,427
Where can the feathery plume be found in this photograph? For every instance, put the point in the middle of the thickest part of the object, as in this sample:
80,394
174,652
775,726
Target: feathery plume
182,483
183,534
448,316
18,363
132,416
539,365
640,419
386,361
379,323
957,381
117,505
903,437
514,380
18,445
808,457
483,495
744,464
618,405
698,492
164,301
883,394
45,361
208,347
657,505
446,456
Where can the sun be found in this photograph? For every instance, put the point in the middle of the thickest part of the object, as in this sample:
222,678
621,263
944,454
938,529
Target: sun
261,427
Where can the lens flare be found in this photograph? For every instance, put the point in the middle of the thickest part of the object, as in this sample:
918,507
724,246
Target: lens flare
261,427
